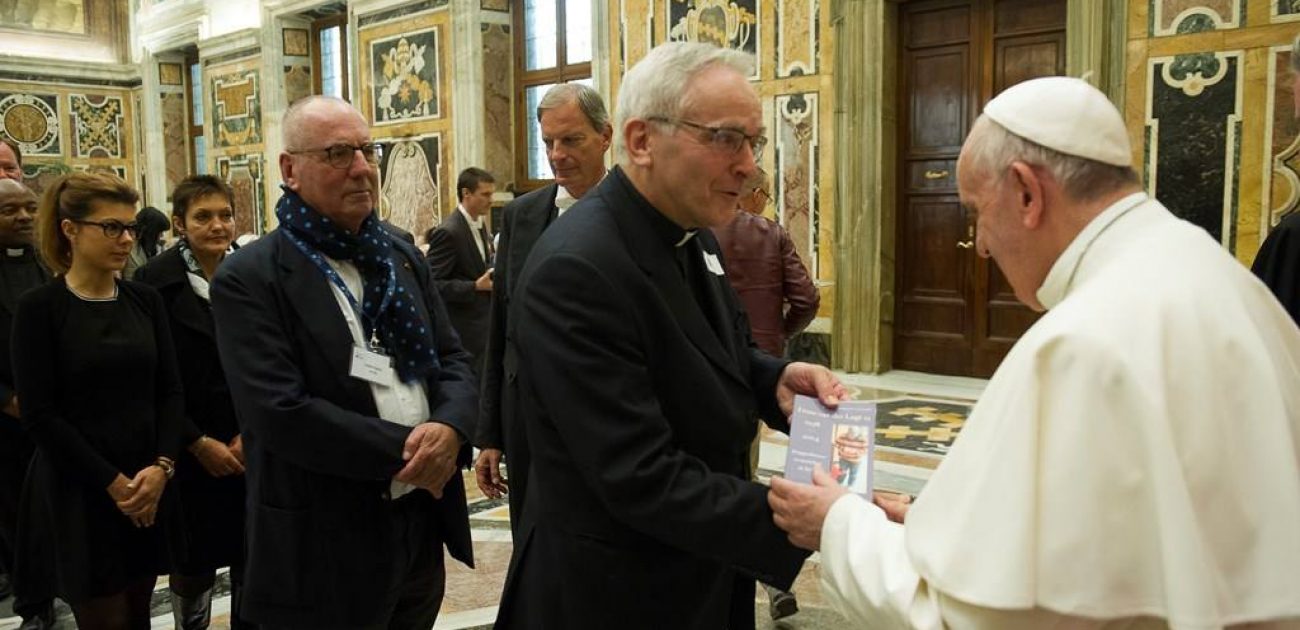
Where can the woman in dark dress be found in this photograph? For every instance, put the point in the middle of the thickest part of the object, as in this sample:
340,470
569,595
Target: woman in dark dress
209,479
97,378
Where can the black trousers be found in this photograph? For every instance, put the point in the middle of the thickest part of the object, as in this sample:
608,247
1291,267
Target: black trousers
415,603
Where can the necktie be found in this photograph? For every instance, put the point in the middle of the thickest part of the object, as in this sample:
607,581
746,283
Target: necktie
489,251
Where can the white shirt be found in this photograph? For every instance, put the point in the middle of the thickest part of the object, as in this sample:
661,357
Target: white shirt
564,200
1135,459
401,403
475,228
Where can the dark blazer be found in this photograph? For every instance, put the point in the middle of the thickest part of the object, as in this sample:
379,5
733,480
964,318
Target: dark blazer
639,419
1278,264
456,264
522,222
207,397
212,508
319,460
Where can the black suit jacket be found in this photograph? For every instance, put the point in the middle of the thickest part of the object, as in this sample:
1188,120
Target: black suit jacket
522,222
639,419
319,461
456,264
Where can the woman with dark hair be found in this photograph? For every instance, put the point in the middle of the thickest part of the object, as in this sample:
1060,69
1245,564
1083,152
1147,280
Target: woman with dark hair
97,377
148,241
210,478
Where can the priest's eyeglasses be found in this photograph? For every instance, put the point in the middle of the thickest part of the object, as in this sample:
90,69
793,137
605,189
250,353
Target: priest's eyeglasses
341,155
727,140
111,228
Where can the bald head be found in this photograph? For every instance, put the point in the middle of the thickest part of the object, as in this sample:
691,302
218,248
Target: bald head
17,213
304,118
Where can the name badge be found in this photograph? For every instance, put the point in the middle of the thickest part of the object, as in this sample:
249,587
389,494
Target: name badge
371,366
713,264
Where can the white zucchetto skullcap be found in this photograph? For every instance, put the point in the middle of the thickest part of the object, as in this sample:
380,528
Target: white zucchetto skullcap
1064,114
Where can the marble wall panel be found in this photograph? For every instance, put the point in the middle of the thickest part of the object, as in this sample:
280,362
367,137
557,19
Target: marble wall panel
1285,10
1176,17
96,126
498,136
170,74
794,184
495,5
245,175
411,175
32,121
404,70
1193,138
727,23
297,82
636,35
798,37
39,176
236,102
295,41
176,158
1282,163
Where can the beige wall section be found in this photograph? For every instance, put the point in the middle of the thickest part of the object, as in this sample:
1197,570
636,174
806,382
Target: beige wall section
1264,190
42,169
795,51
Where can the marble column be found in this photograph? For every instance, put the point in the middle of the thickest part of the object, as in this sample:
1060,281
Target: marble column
861,329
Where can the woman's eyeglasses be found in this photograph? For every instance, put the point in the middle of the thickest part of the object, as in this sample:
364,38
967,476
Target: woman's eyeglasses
112,228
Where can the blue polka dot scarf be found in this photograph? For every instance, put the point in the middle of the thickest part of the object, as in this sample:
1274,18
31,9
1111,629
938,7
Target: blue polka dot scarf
389,311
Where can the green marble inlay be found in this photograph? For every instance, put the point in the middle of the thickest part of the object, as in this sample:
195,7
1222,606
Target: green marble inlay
1195,23
1236,188
1205,64
1146,158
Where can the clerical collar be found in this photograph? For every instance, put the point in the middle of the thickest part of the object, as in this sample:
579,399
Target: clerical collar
1061,277
671,234
15,252
18,254
477,224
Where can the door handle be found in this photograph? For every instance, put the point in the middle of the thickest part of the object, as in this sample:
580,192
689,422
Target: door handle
965,244
936,174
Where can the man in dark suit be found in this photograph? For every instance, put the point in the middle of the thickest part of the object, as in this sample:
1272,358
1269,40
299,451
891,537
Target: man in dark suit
353,395
638,380
576,133
460,257
20,270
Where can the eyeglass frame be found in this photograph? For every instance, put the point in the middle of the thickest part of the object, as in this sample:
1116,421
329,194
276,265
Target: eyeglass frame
756,142
378,152
114,225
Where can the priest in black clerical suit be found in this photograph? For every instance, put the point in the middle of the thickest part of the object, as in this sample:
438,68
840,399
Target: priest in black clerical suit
20,270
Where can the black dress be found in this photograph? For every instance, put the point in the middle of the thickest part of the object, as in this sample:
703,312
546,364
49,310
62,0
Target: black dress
100,396
212,508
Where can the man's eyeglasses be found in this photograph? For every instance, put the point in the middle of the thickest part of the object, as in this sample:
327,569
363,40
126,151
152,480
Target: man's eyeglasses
341,155
727,140
111,228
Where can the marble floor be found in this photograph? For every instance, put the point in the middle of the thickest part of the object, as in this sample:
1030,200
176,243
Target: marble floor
919,418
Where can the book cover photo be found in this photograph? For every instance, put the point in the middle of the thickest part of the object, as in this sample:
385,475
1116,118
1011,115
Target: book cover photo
840,440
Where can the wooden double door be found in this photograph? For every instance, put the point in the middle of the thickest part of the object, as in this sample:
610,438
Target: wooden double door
954,312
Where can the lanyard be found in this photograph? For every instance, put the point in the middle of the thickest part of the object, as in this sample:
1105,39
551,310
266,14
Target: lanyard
337,280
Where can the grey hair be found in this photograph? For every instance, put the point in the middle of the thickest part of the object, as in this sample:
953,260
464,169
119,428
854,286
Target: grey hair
991,149
1295,55
587,98
656,85
290,123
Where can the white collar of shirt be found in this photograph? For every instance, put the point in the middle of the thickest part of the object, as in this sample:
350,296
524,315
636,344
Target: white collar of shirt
474,224
401,403
564,200
475,229
1061,277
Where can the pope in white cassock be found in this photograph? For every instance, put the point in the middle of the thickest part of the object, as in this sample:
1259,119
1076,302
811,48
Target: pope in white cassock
1135,461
